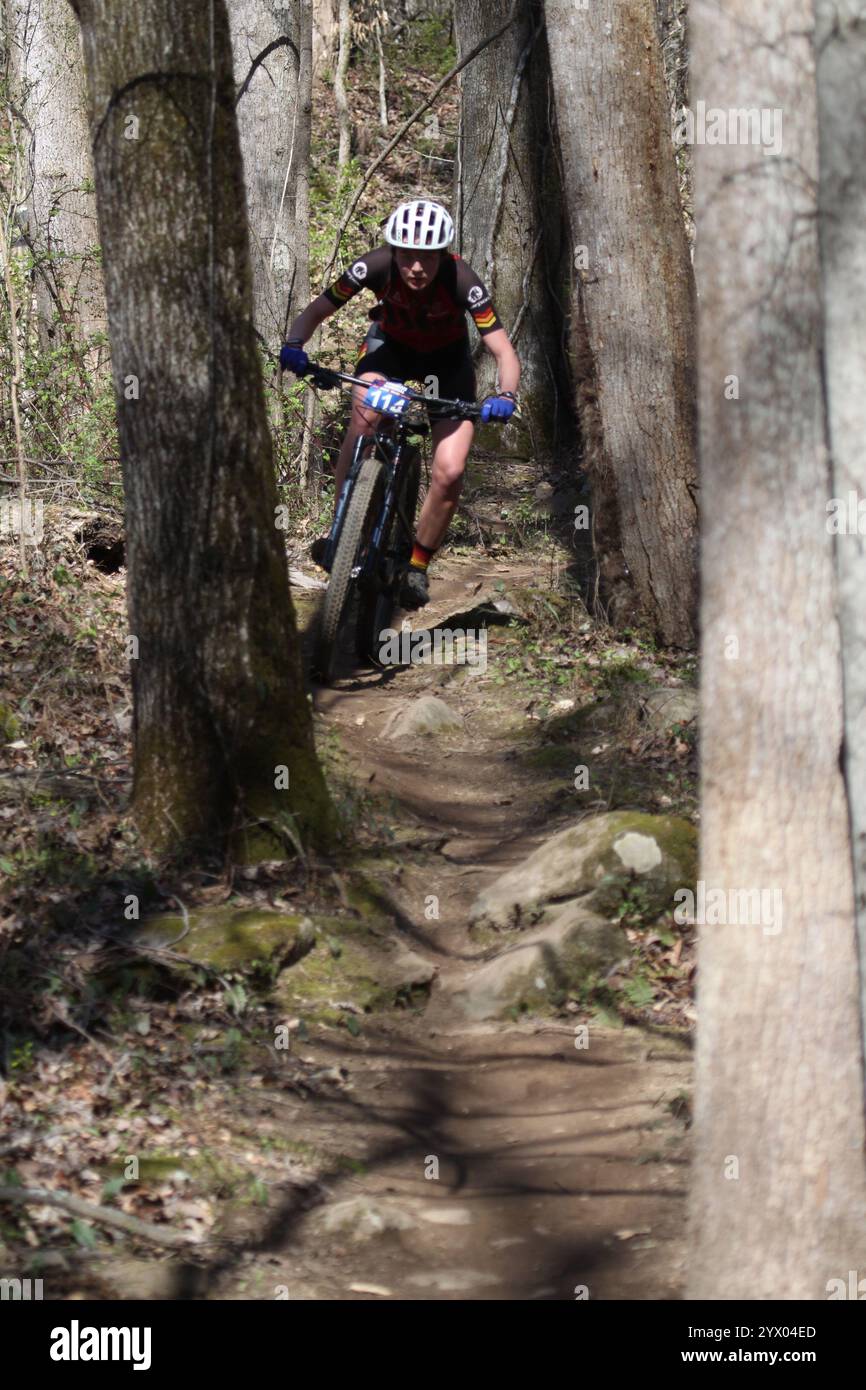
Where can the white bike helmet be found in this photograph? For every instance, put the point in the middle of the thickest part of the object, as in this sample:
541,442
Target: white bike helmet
419,226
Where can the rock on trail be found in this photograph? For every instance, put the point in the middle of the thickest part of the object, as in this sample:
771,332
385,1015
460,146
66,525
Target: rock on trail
472,1151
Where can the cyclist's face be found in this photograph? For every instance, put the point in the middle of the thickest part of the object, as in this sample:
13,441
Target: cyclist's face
418,268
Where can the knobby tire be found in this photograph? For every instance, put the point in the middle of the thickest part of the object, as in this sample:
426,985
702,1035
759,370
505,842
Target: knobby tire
361,514
376,607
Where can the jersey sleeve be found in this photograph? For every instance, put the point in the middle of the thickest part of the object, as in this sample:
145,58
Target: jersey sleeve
473,295
369,273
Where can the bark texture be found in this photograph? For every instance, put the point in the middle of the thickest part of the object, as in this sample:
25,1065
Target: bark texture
301,283
509,206
633,321
344,120
841,82
779,1194
266,48
324,34
219,701
60,215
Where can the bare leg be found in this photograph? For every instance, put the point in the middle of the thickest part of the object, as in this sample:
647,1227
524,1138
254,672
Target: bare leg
452,440
362,422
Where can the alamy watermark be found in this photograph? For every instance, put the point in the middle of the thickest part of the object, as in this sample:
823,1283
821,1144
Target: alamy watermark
439,646
20,1290
737,125
718,907
846,516
77,1343
854,1288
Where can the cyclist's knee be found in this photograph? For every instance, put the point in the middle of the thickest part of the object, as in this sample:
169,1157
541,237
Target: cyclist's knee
364,420
448,469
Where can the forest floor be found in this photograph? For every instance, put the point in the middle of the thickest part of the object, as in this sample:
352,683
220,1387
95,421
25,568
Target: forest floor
400,1147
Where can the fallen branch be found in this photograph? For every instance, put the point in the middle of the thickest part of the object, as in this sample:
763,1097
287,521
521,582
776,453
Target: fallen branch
104,1216
407,125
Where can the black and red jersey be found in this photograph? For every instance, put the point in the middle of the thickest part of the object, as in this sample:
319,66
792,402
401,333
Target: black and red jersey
424,319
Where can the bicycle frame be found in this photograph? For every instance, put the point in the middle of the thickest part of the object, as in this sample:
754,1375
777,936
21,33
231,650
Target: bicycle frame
391,454
393,448
390,441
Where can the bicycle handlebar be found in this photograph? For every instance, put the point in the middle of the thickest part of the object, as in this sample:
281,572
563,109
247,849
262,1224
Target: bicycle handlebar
326,379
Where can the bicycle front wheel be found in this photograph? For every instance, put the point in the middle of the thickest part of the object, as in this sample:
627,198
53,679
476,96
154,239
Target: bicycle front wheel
376,607
365,505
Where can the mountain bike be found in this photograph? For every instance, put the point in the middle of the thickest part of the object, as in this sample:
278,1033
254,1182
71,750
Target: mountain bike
370,542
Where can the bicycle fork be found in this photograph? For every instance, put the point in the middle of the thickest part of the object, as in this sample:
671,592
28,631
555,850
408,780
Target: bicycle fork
342,504
367,569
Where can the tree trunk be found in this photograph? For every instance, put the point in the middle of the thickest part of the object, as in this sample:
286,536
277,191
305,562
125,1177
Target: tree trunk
268,114
14,383
343,118
301,294
221,719
303,140
324,32
634,309
779,1192
508,205
383,78
61,207
841,46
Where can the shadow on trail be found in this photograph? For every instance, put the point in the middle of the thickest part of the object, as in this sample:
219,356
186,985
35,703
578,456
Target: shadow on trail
416,1112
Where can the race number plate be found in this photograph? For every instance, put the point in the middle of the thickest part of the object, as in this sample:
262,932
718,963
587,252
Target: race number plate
389,398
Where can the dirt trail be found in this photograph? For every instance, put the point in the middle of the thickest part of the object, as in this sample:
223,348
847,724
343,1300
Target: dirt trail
502,1161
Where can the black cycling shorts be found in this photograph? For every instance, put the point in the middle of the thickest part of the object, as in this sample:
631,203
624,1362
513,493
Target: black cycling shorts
451,366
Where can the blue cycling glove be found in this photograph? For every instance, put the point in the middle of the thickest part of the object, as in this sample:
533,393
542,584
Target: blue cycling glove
497,408
294,359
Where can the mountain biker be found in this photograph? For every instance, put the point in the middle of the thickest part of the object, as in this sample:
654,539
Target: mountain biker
418,331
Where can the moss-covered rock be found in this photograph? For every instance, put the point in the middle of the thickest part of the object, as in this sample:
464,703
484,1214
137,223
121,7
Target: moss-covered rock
340,965
669,705
10,724
599,861
539,969
353,963
231,938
